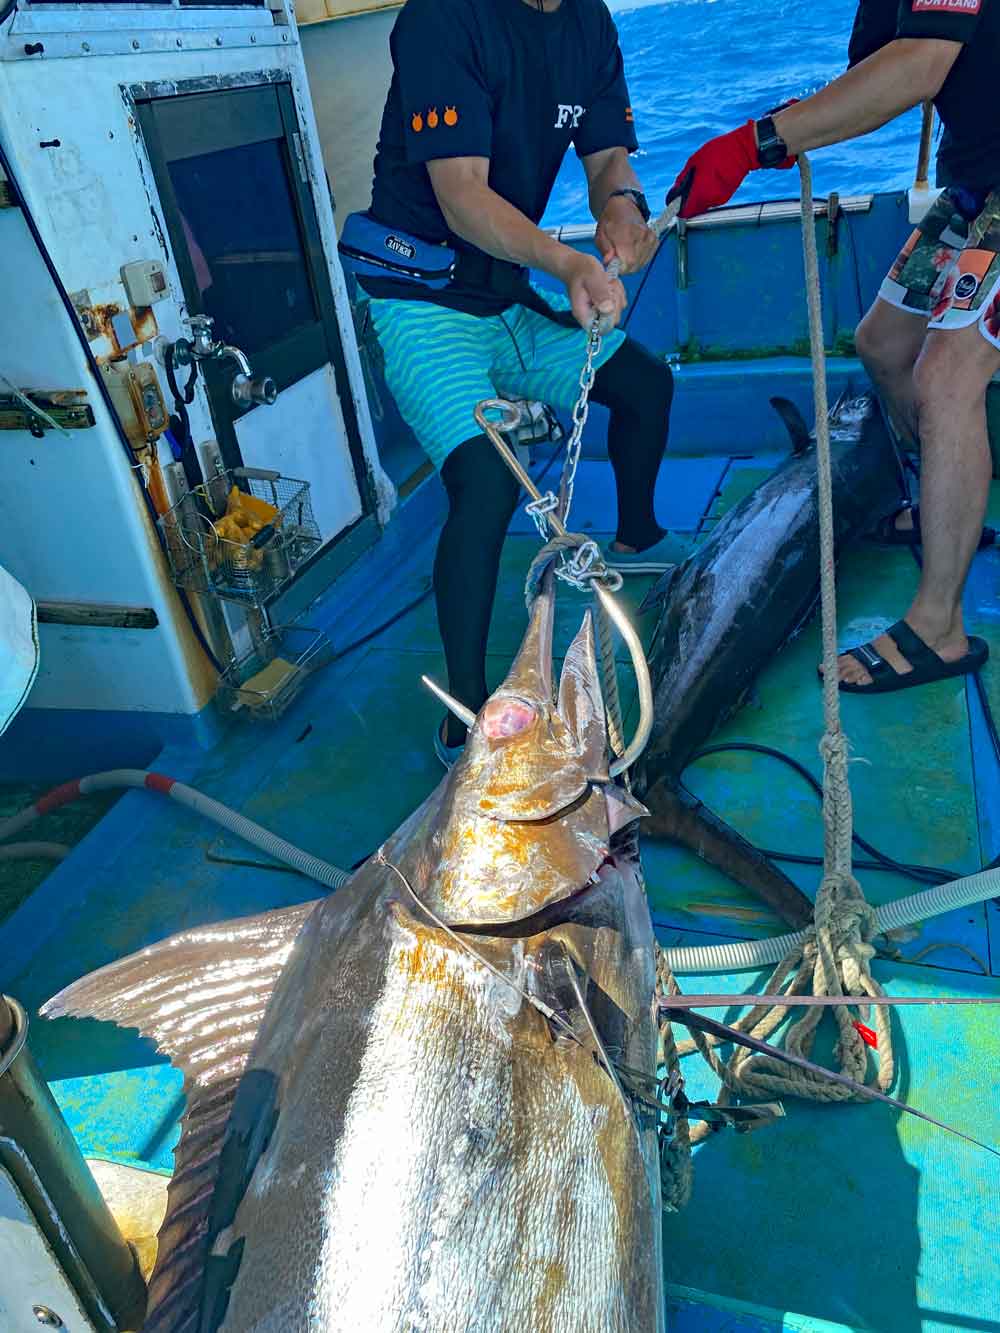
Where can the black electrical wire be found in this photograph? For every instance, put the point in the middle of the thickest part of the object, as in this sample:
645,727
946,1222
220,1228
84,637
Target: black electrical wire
634,303
930,875
340,653
102,389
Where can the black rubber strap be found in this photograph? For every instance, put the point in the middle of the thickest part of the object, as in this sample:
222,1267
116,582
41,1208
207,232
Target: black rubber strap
913,648
876,666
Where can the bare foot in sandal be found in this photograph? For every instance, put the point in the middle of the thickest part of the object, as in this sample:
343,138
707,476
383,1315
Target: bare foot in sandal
901,659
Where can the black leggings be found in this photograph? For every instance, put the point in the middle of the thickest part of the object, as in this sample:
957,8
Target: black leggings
483,496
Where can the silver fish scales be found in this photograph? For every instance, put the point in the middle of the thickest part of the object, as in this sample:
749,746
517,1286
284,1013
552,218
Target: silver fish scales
402,1113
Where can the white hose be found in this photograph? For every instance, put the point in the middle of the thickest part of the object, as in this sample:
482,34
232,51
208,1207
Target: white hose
743,955
740,955
254,834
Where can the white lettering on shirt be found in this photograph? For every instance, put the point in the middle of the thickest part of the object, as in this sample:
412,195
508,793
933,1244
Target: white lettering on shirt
947,6
567,114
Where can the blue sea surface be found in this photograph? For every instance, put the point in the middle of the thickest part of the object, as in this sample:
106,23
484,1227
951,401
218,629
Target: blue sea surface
697,68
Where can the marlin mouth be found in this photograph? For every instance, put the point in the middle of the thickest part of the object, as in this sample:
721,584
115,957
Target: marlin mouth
555,914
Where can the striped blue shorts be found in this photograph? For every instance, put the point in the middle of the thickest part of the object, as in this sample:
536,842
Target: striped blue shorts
440,363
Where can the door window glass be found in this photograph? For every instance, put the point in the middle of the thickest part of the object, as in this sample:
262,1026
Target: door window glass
239,221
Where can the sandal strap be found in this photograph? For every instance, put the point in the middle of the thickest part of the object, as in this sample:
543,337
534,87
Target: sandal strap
876,666
911,645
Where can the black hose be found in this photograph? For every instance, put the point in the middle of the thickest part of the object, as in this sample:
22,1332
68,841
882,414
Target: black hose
931,875
102,389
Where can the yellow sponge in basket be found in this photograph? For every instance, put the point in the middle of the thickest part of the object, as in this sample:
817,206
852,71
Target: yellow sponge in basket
266,682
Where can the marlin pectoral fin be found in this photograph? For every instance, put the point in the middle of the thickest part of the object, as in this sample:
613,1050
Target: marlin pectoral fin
680,818
206,988
200,997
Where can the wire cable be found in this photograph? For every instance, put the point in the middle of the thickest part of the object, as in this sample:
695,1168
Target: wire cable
634,303
931,875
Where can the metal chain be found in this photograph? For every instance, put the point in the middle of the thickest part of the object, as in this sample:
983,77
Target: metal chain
581,411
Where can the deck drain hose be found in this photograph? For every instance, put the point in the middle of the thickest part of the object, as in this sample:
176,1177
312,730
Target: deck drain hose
230,820
746,954
735,956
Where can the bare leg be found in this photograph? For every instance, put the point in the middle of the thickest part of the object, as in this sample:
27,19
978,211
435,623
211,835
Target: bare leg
889,342
950,382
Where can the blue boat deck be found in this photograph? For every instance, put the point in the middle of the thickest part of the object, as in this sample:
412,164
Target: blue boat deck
847,1216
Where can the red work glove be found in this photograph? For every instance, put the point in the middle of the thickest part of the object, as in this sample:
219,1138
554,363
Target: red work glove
719,169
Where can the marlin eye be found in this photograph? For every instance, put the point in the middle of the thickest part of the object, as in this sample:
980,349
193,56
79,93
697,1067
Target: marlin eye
504,718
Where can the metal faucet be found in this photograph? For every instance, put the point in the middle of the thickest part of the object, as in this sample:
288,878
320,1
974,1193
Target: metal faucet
247,389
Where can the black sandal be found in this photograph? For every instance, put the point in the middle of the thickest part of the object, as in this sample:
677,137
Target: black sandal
927,665
885,532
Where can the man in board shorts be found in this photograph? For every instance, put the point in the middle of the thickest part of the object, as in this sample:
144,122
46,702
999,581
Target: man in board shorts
486,98
931,341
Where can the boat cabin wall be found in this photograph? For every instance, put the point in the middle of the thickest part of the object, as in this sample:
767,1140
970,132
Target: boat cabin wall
75,530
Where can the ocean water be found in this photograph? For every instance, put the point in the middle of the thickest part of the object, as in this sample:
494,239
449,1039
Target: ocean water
697,68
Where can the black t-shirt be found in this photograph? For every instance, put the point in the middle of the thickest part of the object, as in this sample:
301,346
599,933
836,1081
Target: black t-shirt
970,148
502,80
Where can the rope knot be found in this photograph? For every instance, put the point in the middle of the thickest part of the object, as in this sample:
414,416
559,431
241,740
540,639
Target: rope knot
835,749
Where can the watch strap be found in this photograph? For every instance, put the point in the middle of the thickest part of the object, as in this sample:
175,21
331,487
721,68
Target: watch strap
637,197
771,148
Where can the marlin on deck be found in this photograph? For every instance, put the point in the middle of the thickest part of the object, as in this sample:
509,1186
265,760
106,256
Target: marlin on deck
727,611
404,1111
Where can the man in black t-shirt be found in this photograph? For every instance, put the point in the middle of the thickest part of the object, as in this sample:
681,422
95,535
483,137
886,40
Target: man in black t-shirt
931,342
486,98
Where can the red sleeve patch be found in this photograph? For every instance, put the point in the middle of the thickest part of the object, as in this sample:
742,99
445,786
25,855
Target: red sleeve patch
947,6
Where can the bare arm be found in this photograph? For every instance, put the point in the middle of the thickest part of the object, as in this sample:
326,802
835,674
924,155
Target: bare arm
483,218
621,230
905,72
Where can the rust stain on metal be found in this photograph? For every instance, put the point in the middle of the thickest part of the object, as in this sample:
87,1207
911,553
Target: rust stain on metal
99,322
144,322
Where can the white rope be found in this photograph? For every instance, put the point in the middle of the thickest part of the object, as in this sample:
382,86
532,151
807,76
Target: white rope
835,958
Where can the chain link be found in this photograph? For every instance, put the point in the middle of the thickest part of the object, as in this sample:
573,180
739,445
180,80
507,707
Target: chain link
581,411
585,566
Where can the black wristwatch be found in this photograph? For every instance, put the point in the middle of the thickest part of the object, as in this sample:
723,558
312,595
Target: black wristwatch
771,147
637,197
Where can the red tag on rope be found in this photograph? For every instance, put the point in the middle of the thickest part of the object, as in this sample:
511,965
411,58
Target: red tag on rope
869,1037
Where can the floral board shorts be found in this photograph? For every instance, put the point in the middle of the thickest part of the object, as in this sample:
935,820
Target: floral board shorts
949,269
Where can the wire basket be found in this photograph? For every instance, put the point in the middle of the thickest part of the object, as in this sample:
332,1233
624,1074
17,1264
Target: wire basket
241,535
264,681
